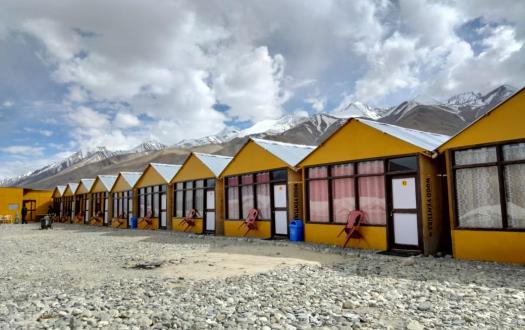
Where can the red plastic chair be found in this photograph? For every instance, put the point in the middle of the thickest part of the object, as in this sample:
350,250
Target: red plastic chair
189,220
355,219
148,219
250,222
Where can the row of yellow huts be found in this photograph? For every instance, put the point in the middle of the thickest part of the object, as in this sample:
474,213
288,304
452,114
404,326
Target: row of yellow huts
420,191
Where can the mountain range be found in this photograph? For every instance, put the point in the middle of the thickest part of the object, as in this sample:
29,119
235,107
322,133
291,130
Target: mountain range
423,113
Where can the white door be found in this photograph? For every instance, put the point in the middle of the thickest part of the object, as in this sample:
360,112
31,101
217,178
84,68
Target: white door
163,220
210,210
280,202
404,211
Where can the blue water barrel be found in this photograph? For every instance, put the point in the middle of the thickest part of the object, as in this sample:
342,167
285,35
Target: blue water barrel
296,230
133,222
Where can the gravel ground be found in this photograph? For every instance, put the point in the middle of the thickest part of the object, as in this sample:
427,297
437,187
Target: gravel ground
78,276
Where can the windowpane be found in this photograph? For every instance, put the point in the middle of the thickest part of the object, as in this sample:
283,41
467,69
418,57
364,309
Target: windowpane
263,177
233,203
478,199
514,151
189,185
180,186
199,202
515,195
142,206
342,169
210,183
199,183
370,167
279,175
233,181
318,172
263,201
343,198
188,204
163,202
155,206
163,187
178,204
155,188
372,199
318,200
475,156
247,200
402,164
247,179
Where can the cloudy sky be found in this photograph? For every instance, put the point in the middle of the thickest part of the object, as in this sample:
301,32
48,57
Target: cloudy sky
79,74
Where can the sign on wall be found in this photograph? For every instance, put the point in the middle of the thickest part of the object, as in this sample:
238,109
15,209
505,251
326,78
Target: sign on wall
13,206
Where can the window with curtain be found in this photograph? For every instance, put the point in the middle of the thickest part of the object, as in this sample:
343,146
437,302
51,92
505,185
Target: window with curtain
188,197
232,195
142,202
247,195
514,182
343,192
179,200
199,197
372,199
263,195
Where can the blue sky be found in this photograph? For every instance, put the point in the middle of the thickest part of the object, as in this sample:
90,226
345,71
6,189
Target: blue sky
77,74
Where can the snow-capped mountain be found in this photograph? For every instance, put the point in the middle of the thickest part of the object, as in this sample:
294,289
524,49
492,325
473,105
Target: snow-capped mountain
227,134
147,146
422,112
358,109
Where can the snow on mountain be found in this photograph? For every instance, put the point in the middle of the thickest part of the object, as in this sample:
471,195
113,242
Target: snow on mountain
275,126
499,94
147,146
358,109
227,134
468,99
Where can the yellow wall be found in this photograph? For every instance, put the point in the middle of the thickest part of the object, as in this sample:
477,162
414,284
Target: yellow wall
150,177
81,189
374,237
177,226
121,184
295,195
434,216
56,193
498,246
42,198
253,158
11,196
68,192
505,122
193,169
119,223
142,224
98,186
231,228
356,141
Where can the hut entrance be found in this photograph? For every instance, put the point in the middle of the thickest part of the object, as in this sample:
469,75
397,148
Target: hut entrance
404,226
280,209
209,213
30,205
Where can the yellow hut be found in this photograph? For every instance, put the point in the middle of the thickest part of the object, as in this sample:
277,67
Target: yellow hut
486,185
390,173
263,176
83,201
13,200
68,203
99,194
197,187
154,202
122,195
57,195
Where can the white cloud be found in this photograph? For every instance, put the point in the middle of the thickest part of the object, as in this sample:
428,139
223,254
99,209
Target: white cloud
24,150
126,120
317,103
8,104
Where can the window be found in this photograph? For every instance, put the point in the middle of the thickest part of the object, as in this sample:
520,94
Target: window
334,191
190,195
402,164
122,204
251,191
150,200
489,187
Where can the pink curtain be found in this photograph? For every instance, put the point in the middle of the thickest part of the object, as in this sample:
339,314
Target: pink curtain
318,172
342,170
263,177
371,167
343,198
318,200
233,203
247,200
372,199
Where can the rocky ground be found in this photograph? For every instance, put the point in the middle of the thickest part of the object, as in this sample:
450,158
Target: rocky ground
78,276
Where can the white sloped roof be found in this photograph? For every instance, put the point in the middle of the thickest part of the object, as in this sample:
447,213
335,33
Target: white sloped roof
167,171
425,140
290,153
61,190
131,177
88,183
72,186
215,163
107,181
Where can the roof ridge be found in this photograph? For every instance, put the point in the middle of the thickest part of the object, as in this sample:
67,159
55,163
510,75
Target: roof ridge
402,127
283,143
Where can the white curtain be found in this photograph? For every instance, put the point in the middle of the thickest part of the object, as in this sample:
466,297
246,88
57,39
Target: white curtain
515,195
478,197
233,203
475,156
